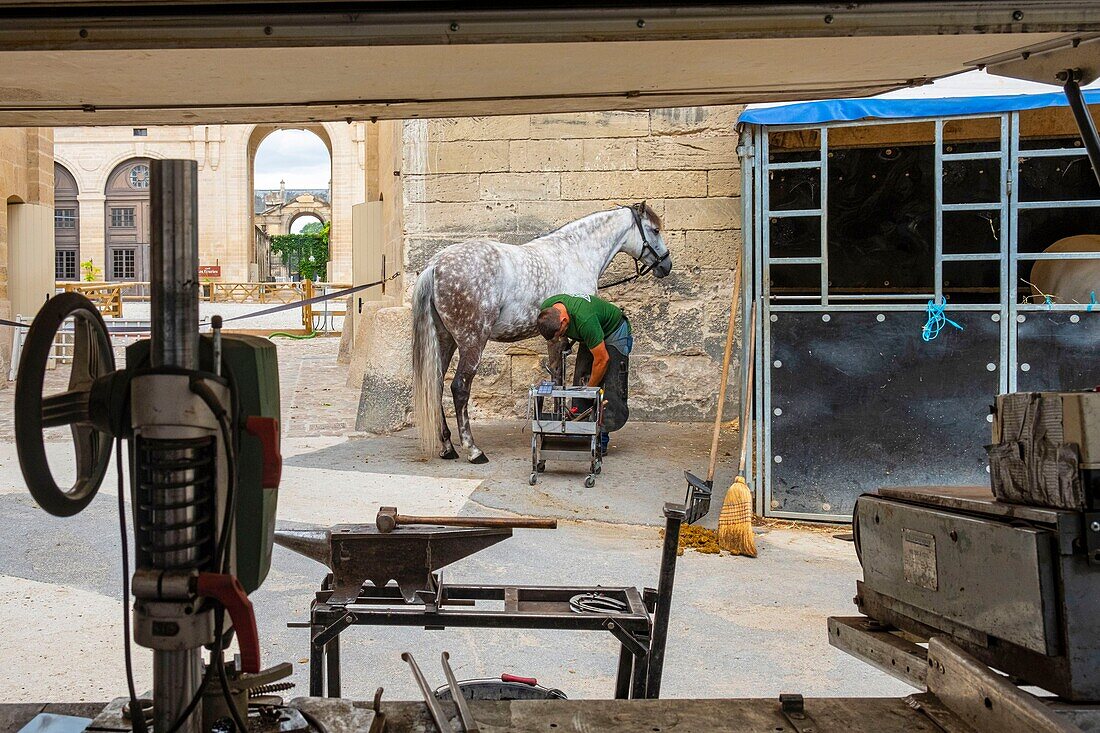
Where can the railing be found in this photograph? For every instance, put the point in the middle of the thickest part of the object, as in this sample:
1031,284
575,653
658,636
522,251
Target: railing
123,331
246,292
326,311
107,297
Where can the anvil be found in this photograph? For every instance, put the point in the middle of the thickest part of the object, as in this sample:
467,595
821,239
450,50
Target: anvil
357,553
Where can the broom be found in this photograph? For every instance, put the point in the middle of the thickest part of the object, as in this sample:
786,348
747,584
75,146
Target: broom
735,520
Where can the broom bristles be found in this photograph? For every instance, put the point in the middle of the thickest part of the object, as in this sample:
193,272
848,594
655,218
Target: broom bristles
735,521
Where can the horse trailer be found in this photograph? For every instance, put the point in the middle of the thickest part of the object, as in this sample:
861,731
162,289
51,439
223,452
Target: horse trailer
904,260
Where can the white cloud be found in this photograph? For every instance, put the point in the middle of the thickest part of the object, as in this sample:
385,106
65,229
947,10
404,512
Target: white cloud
297,156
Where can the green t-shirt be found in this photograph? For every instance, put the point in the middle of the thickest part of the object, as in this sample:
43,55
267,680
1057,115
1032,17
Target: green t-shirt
591,319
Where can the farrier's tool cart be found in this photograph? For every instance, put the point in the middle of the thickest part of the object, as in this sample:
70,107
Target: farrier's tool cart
565,423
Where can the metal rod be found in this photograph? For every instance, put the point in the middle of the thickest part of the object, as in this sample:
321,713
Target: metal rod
176,677
674,518
506,522
174,259
1072,88
174,256
429,695
469,725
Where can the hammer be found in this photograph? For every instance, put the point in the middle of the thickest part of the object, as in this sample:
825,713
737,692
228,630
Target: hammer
388,519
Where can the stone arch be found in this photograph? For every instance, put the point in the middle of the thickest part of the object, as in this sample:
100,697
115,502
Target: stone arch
66,224
126,221
255,138
314,214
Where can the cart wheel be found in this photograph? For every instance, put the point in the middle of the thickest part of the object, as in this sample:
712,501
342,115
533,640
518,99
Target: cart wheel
599,467
590,481
534,478
541,467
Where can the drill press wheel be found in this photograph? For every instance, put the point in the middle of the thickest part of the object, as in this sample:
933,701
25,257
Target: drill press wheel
92,357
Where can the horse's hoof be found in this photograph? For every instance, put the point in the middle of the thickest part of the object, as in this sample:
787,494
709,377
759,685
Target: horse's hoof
480,458
449,455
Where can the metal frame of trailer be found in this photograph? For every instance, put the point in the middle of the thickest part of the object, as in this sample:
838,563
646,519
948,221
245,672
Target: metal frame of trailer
1006,314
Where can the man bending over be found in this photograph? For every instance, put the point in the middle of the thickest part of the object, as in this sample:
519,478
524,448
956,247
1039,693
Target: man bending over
604,334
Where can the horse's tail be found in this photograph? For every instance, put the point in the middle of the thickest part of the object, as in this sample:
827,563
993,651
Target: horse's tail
427,364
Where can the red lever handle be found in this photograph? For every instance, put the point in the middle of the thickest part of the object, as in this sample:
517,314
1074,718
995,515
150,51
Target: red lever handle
516,678
229,592
267,430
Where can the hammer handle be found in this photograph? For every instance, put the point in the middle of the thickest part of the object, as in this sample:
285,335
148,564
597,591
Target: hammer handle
522,523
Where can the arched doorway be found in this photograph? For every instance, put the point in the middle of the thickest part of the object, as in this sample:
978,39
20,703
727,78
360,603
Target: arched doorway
301,221
66,225
127,221
291,173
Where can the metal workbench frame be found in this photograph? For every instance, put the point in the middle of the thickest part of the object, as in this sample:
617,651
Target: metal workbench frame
758,260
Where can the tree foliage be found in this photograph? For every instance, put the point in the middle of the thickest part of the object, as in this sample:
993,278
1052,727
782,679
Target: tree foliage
306,252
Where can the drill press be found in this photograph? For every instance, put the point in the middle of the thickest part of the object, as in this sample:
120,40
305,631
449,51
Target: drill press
200,415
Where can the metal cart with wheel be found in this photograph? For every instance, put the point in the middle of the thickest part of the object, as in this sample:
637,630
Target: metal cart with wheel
566,424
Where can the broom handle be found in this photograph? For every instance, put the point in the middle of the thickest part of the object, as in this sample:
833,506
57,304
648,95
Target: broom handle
725,372
746,428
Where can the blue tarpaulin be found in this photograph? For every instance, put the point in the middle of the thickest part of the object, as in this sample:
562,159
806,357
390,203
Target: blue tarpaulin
878,108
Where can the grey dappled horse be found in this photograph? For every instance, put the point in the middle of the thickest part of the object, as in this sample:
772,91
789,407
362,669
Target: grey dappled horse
481,290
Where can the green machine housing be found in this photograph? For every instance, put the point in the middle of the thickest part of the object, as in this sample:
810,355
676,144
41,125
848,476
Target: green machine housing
252,368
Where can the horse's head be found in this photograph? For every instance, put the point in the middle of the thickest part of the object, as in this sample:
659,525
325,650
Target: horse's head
649,246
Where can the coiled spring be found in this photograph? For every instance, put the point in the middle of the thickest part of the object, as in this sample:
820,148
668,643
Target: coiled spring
176,484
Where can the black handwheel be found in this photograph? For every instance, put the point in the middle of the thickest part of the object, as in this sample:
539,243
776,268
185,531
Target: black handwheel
92,357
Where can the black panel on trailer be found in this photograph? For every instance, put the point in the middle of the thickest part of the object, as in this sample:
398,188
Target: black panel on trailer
1061,353
867,403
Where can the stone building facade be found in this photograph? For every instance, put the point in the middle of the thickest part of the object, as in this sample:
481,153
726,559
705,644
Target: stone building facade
514,178
102,162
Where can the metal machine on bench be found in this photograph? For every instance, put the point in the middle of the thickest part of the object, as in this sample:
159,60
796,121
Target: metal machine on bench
1010,575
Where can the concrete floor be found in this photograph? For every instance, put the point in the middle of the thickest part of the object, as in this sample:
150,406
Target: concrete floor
740,627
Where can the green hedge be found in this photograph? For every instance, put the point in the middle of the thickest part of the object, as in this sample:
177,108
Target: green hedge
306,252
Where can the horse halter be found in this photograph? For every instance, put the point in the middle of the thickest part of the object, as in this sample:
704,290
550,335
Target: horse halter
638,210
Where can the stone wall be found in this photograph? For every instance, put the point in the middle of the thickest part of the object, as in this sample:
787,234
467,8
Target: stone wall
515,178
26,177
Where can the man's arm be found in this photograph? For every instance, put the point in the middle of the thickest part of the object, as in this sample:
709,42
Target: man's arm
600,360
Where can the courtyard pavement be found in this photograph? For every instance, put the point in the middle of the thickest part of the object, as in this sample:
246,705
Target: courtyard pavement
740,627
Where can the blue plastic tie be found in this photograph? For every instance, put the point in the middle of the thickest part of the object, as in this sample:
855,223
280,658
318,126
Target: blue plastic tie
1049,301
936,321
1092,301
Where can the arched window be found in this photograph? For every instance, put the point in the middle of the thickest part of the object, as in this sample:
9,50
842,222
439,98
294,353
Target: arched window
127,221
66,225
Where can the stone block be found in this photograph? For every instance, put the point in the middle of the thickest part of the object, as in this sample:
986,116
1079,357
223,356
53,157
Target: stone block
724,182
463,219
467,157
441,188
589,125
687,152
719,120
545,155
604,154
705,213
504,127
520,186
714,248
633,185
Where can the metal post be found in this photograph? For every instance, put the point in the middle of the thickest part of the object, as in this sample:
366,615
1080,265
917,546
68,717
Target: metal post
332,666
1070,79
174,255
674,517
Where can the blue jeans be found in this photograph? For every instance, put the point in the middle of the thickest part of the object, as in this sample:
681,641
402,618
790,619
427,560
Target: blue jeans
622,339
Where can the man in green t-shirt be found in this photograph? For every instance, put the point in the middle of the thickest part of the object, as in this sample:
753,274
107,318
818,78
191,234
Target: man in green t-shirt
606,341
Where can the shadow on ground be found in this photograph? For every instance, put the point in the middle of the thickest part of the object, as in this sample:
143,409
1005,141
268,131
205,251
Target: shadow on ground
644,469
